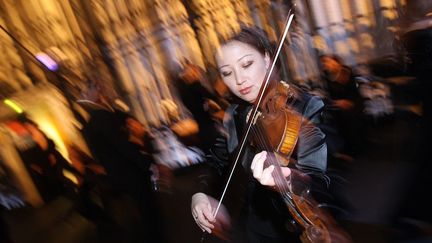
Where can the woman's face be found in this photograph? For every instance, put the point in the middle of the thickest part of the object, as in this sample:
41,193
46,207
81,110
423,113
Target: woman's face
242,68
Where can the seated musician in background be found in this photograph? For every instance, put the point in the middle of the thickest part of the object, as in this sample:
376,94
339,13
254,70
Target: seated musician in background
243,61
196,98
344,102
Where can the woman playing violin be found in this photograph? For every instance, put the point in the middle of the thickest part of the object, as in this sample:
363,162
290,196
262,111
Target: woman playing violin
243,61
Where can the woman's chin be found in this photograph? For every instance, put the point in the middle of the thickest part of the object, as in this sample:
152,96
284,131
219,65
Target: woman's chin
248,98
251,98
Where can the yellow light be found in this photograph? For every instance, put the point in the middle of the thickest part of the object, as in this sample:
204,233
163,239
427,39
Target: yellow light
13,105
70,176
50,130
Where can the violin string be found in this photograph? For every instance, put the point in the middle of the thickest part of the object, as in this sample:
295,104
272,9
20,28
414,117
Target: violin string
262,138
280,181
278,177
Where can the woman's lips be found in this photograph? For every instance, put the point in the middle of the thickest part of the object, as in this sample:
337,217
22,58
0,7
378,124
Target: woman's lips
246,90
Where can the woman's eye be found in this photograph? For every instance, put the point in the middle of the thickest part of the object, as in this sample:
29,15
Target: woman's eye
247,64
225,74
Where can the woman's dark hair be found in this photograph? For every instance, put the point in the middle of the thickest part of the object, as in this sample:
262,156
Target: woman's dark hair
254,37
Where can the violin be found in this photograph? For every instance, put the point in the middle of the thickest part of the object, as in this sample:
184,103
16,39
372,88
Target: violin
276,128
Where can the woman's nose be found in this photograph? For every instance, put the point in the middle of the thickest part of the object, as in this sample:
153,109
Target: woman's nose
239,77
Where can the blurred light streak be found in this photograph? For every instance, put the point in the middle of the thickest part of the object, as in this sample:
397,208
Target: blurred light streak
49,129
13,105
47,61
70,176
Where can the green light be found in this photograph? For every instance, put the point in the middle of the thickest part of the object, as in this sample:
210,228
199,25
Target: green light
13,105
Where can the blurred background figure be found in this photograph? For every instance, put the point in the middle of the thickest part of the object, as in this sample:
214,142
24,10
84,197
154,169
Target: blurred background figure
140,137
116,143
9,195
91,178
199,101
46,165
344,103
416,34
377,98
10,198
416,39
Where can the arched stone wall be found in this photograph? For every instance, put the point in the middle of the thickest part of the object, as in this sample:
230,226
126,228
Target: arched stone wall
138,46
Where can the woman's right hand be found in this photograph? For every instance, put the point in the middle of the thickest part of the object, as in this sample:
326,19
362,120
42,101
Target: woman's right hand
202,207
202,211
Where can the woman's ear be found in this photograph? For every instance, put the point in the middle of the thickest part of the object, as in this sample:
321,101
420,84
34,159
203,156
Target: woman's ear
267,60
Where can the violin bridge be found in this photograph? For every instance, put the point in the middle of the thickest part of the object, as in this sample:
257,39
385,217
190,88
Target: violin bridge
257,115
285,84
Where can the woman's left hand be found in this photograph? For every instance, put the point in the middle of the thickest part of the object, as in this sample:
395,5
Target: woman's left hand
264,176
